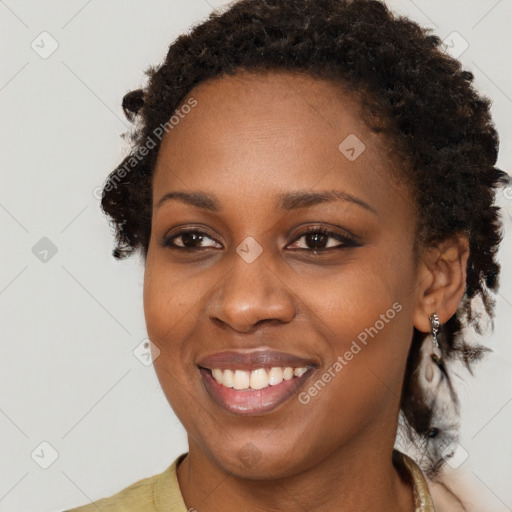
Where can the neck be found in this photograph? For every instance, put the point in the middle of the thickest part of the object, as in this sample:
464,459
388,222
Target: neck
357,477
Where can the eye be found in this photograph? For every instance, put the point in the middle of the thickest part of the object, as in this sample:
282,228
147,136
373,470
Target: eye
320,238
313,239
190,239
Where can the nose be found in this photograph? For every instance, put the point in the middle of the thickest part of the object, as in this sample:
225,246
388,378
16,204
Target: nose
251,294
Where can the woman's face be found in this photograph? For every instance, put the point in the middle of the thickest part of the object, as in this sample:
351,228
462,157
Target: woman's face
268,169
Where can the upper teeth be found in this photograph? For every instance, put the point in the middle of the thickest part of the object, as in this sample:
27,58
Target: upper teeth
257,379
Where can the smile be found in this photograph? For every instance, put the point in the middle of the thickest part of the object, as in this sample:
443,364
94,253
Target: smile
256,379
253,383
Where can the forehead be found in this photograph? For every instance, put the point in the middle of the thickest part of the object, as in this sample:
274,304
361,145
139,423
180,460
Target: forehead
269,131
278,105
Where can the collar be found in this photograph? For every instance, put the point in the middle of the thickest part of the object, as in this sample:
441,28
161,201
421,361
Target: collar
168,497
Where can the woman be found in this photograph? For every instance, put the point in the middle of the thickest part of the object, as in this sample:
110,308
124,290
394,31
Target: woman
311,186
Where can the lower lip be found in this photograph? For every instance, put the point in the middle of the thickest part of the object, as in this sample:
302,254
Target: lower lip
247,402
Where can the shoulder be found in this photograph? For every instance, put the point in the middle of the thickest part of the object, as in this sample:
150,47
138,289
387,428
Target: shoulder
445,498
137,496
452,492
151,494
443,494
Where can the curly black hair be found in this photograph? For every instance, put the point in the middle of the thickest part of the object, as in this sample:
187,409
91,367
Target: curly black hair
410,90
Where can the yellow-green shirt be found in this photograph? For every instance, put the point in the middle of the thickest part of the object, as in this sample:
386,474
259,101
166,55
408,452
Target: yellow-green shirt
161,493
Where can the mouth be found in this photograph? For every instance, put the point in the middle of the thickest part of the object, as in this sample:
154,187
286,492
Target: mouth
253,383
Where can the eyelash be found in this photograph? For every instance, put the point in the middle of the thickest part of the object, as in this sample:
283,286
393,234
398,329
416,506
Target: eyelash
347,241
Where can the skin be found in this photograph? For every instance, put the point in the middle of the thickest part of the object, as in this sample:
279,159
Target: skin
250,137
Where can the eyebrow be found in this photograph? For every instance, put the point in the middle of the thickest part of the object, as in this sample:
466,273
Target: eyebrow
286,201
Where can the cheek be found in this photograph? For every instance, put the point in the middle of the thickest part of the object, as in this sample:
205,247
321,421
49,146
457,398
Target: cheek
170,298
364,313
170,314
357,294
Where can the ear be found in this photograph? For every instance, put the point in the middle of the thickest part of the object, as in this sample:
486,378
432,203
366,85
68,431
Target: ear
441,280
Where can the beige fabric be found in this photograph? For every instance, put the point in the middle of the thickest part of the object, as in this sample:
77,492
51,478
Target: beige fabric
161,493
158,493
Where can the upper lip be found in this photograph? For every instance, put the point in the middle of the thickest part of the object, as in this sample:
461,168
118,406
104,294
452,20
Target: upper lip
250,360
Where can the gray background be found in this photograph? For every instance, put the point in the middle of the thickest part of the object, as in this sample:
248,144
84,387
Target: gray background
71,319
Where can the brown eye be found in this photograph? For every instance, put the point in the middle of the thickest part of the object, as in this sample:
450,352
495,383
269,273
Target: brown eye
189,239
318,239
